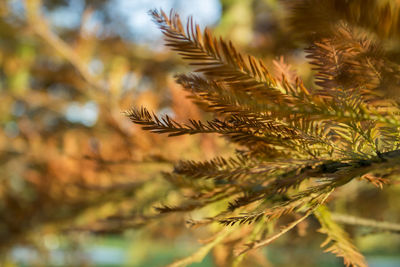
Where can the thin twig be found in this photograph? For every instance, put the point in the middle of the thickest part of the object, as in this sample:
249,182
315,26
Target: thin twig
284,230
277,235
352,220
199,255
40,27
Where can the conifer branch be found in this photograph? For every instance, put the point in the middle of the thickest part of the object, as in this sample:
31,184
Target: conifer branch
261,243
266,242
297,145
217,59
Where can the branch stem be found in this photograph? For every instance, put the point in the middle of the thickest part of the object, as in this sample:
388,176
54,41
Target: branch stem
352,220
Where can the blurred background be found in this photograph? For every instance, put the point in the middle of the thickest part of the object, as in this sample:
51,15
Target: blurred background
79,182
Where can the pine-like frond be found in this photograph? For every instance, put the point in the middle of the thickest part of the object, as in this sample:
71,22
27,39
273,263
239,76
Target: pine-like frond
195,204
241,130
276,212
350,61
314,17
217,97
337,241
217,59
217,169
296,145
312,207
167,125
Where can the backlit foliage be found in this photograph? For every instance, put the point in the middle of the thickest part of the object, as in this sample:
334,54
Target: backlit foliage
296,144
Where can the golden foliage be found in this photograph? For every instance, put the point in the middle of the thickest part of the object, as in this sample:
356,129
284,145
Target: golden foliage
297,145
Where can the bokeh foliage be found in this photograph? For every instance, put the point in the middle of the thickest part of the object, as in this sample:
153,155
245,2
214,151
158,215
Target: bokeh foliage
74,167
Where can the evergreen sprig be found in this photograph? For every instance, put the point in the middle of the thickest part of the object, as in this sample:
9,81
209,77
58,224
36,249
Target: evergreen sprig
297,144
